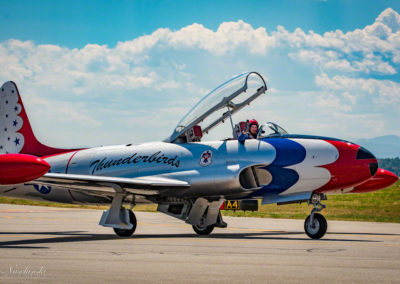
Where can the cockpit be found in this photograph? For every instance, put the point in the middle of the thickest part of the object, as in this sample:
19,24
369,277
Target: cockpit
219,105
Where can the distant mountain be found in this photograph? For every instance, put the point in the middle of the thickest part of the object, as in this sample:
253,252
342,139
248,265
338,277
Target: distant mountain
382,147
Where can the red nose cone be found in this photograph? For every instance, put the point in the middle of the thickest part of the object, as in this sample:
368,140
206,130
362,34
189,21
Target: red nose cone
380,180
20,168
353,166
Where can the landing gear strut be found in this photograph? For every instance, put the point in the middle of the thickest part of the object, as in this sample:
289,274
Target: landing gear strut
315,224
122,220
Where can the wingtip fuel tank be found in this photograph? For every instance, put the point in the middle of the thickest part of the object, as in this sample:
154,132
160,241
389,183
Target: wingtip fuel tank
20,168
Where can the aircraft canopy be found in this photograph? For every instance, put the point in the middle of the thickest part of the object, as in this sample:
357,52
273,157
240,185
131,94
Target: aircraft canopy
233,95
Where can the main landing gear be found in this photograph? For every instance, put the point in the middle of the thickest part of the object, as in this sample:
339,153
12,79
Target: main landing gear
122,220
127,232
202,229
315,224
205,215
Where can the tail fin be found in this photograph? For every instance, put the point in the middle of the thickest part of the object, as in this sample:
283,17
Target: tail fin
16,135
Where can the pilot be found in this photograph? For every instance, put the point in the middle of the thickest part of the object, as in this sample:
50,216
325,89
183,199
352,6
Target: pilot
252,134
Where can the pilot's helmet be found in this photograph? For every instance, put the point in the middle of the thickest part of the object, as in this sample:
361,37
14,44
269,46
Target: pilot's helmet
252,122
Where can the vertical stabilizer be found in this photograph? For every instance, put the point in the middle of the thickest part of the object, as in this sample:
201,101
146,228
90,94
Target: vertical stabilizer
16,135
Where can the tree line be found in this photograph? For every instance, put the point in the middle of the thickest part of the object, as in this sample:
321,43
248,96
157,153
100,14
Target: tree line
390,164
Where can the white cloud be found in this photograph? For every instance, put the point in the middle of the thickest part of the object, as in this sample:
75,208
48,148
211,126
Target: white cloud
375,48
390,18
62,112
380,91
330,101
229,36
158,77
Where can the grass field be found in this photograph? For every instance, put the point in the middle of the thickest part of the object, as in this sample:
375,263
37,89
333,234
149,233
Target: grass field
379,206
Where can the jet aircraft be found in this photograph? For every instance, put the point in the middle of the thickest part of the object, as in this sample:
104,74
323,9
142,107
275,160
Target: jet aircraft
193,180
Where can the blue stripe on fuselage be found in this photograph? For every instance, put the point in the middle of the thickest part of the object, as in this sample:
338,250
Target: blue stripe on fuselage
288,152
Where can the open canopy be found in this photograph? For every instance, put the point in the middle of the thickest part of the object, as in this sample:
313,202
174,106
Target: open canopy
232,95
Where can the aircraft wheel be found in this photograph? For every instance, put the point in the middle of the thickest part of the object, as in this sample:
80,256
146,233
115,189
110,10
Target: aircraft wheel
127,233
318,228
202,230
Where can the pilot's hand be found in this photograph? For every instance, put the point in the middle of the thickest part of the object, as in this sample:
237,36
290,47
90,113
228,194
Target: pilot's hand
244,132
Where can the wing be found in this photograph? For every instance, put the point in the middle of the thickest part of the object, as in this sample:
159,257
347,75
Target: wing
147,185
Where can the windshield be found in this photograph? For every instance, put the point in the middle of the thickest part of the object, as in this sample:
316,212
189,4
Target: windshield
270,129
229,97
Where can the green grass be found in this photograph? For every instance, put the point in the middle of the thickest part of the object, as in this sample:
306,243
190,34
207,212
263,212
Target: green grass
18,201
378,206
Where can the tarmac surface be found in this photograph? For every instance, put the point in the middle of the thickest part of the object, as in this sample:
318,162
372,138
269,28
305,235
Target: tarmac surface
43,244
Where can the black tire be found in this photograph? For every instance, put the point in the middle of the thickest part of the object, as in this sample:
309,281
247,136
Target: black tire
127,233
319,227
203,231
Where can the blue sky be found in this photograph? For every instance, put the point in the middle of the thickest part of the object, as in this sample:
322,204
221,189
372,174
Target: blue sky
76,23
108,72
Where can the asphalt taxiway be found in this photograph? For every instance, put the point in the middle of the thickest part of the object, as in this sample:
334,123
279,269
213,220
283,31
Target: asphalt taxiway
43,244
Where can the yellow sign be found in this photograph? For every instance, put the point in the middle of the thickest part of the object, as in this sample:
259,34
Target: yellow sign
232,205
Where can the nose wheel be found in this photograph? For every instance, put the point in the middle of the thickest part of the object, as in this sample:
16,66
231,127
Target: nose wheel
315,224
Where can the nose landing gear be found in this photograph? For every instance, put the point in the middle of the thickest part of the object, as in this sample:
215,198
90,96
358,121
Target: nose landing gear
315,224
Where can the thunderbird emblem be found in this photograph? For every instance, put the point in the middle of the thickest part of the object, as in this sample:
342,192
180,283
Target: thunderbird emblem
206,158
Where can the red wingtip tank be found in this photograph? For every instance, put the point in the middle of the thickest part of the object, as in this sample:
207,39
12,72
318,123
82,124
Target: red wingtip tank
20,168
380,180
